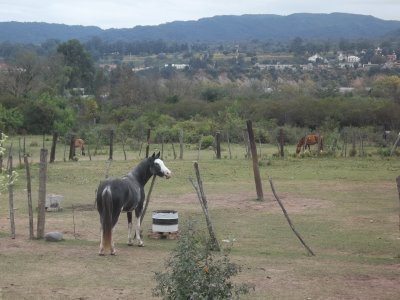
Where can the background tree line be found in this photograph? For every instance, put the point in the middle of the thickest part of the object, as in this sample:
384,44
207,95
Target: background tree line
64,89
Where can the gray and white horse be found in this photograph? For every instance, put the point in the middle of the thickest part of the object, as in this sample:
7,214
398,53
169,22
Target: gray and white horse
126,194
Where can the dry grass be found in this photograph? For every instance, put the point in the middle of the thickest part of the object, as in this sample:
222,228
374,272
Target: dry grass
345,209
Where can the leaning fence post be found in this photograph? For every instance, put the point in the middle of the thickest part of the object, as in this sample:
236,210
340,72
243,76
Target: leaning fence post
395,145
288,219
42,193
203,203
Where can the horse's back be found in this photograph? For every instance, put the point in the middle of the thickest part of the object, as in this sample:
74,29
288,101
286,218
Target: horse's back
125,195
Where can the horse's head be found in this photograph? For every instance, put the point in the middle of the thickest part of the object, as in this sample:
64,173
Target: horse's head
158,167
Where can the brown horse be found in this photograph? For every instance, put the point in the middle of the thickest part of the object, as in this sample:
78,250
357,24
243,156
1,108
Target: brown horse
308,140
79,143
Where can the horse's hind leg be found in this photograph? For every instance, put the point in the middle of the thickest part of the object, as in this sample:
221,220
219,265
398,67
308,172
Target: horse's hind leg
129,216
112,252
101,251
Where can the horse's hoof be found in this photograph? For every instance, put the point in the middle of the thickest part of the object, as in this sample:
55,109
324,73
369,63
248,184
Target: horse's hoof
101,254
141,244
113,253
130,243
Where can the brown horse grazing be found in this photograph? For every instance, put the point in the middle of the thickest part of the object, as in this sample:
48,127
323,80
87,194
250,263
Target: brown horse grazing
79,143
308,140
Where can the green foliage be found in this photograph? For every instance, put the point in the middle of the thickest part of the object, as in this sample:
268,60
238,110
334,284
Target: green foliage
10,119
46,114
6,179
79,62
207,141
194,272
195,128
212,94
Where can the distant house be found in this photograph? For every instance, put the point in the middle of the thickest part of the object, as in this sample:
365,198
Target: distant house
353,59
277,66
391,57
345,90
370,65
108,67
177,66
316,57
348,58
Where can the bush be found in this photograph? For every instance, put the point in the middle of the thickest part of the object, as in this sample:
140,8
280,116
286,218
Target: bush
207,141
194,272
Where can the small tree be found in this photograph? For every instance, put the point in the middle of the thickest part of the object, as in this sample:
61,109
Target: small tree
6,179
194,272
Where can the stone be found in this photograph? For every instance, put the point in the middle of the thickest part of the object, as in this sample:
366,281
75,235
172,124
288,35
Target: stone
54,236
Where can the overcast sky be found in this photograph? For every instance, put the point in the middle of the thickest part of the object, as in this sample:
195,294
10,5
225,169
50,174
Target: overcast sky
129,13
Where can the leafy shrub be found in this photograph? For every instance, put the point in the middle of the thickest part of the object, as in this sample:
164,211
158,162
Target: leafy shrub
207,141
194,272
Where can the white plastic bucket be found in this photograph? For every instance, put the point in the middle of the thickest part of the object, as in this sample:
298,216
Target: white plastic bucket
165,221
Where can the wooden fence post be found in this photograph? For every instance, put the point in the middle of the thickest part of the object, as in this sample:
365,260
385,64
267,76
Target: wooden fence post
29,194
281,142
148,142
246,143
199,147
19,152
11,196
256,170
53,147
218,144
229,145
110,156
181,144
42,193
173,150
398,189
319,145
1,155
72,147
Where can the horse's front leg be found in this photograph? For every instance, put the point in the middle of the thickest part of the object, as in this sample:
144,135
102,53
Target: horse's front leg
129,216
138,233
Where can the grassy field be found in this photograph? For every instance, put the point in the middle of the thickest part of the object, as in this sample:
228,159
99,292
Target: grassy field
346,209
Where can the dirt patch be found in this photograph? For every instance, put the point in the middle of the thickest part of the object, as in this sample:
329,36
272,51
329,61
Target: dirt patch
245,201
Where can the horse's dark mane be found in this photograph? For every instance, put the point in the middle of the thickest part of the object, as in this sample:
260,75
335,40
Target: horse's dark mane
142,172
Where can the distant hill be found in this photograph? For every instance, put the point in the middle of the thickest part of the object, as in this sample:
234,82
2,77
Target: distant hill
214,29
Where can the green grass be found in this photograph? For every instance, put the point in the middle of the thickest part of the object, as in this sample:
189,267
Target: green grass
346,209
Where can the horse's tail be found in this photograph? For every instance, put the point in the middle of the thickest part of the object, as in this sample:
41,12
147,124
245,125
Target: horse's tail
106,216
